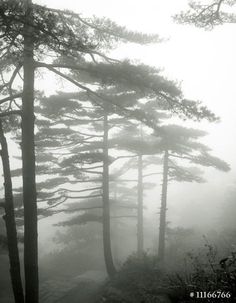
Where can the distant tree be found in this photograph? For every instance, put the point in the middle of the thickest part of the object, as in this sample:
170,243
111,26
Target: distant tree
228,212
136,162
175,142
135,194
139,145
180,143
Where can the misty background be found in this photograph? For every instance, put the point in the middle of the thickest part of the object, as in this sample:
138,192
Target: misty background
104,235
203,63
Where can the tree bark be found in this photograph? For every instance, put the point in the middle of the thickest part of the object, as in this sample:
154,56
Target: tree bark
110,267
11,230
28,161
162,228
140,208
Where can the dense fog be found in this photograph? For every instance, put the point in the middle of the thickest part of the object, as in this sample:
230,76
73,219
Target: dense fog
117,122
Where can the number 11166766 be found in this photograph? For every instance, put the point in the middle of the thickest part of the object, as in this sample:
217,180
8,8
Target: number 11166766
217,294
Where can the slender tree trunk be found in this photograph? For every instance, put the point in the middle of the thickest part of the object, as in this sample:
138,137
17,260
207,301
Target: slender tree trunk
140,208
13,251
106,205
116,227
28,159
162,229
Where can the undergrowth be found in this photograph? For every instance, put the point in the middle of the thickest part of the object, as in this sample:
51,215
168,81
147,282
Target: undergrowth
144,280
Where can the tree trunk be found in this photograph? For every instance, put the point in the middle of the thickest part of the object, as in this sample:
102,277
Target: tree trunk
28,159
106,205
140,208
115,226
11,231
162,229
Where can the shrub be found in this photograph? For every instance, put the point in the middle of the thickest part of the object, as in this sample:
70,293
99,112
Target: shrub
138,281
143,280
206,272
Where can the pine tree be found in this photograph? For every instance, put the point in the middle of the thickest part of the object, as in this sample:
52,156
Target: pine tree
64,110
11,230
95,151
31,31
180,143
208,15
174,142
27,31
140,144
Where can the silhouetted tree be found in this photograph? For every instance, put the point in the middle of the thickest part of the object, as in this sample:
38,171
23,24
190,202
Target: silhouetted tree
138,145
9,217
180,143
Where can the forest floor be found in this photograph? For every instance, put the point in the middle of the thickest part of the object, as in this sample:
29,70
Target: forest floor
84,288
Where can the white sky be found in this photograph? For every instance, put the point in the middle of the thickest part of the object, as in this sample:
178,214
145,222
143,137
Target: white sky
203,61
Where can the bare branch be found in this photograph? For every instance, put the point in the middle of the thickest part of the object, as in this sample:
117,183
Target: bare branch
10,98
15,72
